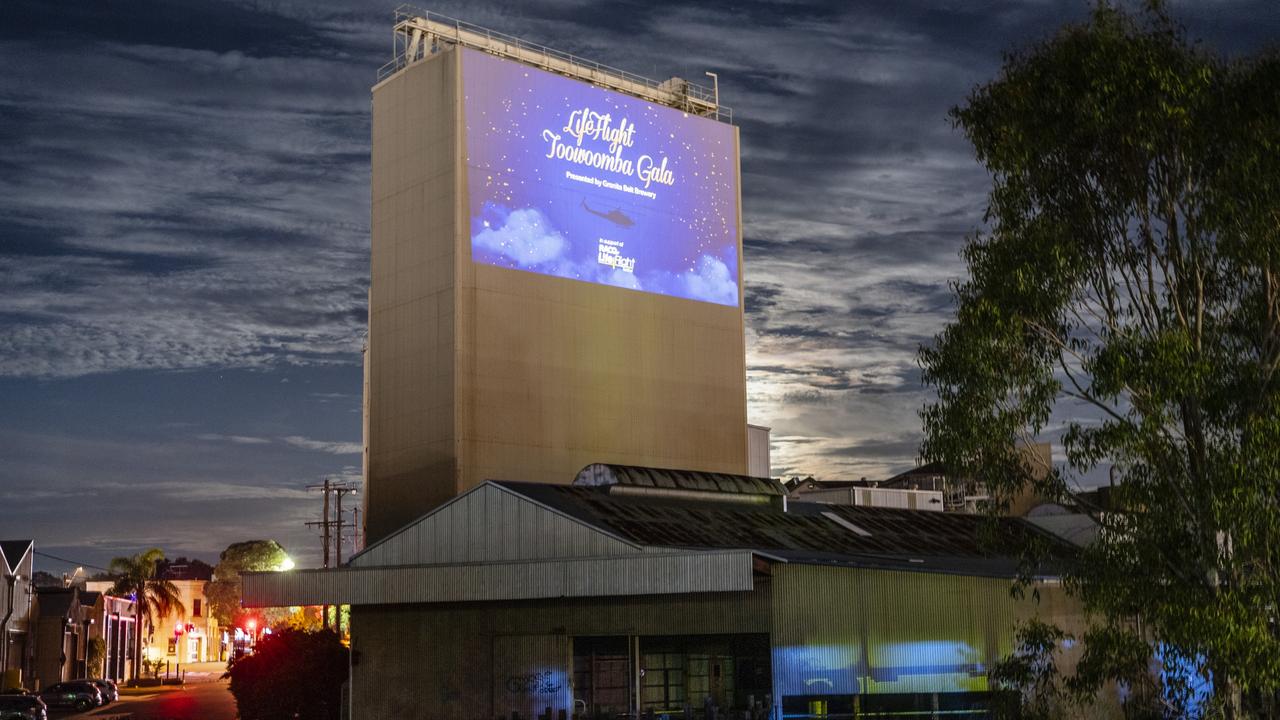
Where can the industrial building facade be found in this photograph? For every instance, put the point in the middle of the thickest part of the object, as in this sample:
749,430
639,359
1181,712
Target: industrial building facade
685,594
501,354
555,316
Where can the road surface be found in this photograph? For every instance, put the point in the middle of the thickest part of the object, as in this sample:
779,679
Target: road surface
201,701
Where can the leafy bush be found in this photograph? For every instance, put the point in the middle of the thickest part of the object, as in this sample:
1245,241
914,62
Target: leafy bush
292,674
94,655
152,668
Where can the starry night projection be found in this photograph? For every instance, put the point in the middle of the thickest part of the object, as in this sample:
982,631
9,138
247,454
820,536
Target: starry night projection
571,180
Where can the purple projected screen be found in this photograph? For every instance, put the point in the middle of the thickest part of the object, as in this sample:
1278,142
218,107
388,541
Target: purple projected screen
570,180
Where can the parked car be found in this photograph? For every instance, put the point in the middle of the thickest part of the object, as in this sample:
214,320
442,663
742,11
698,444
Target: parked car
74,694
22,707
110,693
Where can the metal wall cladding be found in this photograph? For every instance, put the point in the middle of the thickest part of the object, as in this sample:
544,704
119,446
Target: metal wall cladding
644,574
453,662
552,374
876,497
414,176
758,463
19,618
479,372
845,631
532,674
490,524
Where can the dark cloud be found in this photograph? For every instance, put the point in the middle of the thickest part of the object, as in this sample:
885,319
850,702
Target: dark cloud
880,449
184,226
190,24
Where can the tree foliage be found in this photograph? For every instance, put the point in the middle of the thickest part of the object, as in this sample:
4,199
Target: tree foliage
95,654
292,674
223,592
156,598
1126,289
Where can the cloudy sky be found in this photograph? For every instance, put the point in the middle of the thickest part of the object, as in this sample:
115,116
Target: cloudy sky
184,217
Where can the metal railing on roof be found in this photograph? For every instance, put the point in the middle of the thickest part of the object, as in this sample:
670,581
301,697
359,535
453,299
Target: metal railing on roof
414,26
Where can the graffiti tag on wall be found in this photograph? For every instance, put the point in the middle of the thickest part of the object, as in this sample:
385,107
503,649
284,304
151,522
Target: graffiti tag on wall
542,683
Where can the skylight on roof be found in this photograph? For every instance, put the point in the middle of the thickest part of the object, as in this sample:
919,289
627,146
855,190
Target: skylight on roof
845,524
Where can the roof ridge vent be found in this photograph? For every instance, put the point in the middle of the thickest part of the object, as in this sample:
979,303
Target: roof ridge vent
607,474
708,496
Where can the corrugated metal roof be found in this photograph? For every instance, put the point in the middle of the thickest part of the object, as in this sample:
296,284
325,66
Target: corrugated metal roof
890,537
598,474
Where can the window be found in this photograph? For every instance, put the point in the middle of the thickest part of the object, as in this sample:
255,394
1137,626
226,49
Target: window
195,607
662,687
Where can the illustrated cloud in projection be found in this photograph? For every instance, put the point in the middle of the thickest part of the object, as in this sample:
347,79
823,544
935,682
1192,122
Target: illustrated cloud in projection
524,236
712,282
568,179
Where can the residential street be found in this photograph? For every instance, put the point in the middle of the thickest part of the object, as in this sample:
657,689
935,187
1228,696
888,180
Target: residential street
199,701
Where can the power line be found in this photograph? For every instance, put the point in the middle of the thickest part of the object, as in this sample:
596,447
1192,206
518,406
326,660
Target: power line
331,533
69,562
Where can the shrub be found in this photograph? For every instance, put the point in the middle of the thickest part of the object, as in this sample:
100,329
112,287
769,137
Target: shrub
94,655
292,674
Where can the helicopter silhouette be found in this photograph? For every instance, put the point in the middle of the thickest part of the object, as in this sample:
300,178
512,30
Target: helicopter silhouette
615,216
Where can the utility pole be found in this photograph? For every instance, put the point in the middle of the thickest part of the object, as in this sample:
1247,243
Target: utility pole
331,528
339,524
325,522
339,491
324,533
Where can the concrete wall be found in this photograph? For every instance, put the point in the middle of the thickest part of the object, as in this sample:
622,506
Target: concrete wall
463,662
478,372
204,644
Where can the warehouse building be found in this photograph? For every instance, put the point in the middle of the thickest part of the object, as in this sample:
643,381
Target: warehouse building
15,611
682,593
556,280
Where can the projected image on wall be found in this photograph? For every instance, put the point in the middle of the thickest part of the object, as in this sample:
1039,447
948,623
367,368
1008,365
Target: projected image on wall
570,180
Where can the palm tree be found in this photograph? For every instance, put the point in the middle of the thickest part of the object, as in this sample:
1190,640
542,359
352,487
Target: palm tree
155,598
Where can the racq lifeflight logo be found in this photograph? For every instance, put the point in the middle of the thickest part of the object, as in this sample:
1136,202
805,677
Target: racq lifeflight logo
587,124
574,181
